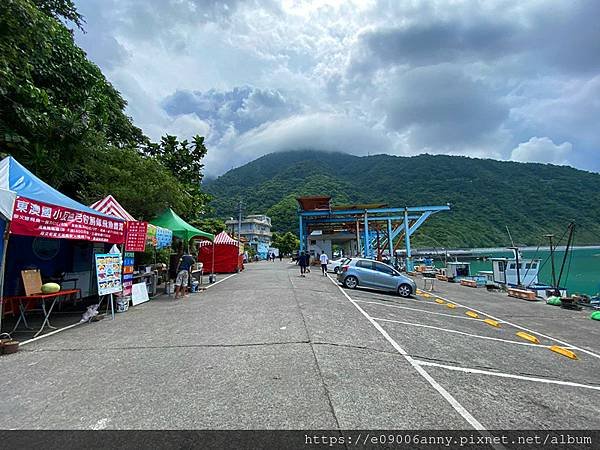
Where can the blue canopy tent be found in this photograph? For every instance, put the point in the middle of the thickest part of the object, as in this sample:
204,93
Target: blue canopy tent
30,207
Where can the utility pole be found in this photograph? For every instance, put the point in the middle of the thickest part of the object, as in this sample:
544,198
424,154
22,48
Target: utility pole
240,223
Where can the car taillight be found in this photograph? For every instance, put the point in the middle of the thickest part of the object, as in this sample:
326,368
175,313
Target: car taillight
345,268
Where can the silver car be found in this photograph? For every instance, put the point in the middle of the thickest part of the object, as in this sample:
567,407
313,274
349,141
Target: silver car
376,275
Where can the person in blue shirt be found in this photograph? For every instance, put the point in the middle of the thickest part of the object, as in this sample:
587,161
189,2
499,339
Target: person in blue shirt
183,274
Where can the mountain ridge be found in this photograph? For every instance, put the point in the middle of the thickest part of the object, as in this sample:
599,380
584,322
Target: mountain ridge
486,195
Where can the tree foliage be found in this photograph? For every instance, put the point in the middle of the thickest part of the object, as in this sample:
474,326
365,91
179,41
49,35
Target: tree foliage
210,225
287,243
62,119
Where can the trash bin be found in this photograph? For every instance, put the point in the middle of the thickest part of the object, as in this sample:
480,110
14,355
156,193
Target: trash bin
122,303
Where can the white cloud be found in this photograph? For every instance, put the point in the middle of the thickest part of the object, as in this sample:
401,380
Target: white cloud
436,76
322,131
542,150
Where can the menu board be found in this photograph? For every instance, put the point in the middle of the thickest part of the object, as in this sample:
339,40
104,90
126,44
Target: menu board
135,236
164,237
108,273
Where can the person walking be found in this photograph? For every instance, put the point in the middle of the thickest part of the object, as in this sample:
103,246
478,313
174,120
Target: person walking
183,274
302,263
324,260
307,254
280,256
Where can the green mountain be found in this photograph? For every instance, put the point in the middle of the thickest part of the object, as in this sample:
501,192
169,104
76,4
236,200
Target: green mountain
485,195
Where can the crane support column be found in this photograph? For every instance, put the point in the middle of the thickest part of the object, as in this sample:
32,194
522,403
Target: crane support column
409,262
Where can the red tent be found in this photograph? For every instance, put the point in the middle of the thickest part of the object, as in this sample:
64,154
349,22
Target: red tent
227,258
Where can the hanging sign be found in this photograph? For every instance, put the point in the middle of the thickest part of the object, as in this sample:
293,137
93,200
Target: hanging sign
164,237
33,218
135,236
108,273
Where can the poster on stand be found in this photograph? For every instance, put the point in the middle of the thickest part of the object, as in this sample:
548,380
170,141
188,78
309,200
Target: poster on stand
108,273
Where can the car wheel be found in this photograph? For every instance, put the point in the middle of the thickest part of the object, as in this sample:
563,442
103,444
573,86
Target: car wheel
351,282
336,269
404,290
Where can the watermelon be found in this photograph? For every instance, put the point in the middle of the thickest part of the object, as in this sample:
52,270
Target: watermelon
595,315
50,288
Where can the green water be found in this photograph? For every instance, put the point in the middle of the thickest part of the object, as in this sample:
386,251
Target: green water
583,276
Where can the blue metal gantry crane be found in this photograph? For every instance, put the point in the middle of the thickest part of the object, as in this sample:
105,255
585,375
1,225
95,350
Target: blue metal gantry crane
316,212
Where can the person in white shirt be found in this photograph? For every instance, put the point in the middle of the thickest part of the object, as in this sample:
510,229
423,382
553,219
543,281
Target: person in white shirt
324,261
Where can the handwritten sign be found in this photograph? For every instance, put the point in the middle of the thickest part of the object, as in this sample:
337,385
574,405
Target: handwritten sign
139,294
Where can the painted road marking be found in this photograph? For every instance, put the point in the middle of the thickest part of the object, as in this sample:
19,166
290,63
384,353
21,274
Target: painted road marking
29,341
420,310
221,280
564,343
443,392
461,332
507,375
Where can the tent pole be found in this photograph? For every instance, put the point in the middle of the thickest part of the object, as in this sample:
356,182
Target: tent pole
212,268
3,271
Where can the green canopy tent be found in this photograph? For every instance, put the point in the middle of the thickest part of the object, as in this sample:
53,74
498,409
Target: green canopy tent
183,230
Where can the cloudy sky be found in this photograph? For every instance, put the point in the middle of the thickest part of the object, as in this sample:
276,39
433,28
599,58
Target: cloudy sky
497,79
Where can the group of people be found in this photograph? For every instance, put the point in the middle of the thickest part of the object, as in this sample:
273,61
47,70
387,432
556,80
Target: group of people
271,256
304,262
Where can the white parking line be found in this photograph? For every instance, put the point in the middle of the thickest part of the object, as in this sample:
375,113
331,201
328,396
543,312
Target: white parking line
29,341
507,375
421,310
220,281
460,332
443,392
574,347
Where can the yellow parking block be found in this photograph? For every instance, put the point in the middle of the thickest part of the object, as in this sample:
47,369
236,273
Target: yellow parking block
493,323
563,351
440,301
451,305
472,314
528,337
426,295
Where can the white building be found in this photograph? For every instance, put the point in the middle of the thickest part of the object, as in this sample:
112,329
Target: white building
256,230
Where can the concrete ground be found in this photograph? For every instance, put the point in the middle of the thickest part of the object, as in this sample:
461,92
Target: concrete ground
266,349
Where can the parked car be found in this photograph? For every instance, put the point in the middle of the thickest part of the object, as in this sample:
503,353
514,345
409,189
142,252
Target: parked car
334,265
376,275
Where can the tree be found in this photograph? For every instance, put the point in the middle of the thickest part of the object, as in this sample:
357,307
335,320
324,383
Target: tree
142,185
61,9
184,161
286,243
56,107
62,119
211,225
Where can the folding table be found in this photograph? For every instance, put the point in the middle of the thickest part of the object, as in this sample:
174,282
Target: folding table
41,298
